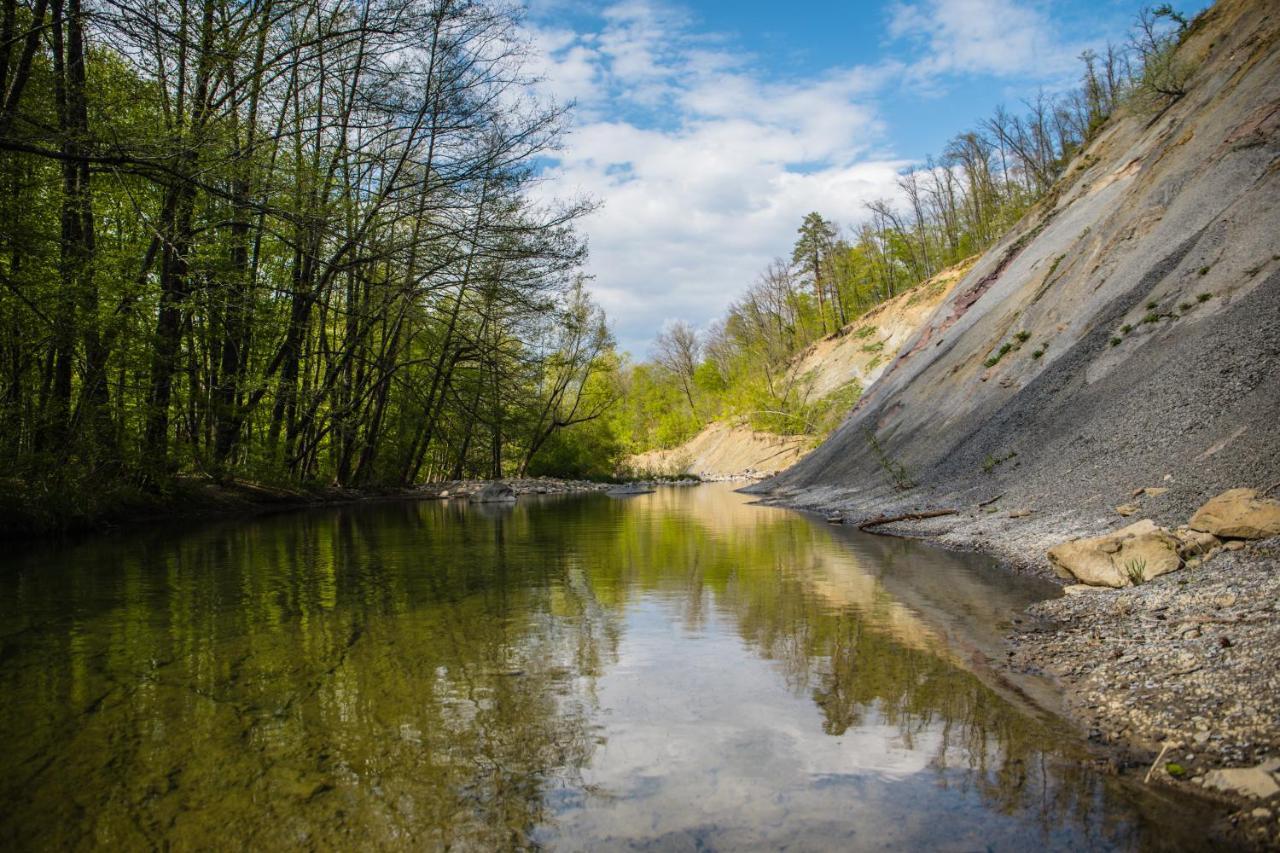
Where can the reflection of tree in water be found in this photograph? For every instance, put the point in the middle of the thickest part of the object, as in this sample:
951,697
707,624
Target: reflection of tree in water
421,675
860,672
334,679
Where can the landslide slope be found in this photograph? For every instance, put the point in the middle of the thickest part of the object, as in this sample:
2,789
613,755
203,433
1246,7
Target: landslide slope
1138,311
857,353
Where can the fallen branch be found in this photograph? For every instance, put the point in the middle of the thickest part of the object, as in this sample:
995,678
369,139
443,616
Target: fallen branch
906,516
1154,763
990,501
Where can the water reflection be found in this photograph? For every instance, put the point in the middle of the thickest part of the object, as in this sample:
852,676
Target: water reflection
679,669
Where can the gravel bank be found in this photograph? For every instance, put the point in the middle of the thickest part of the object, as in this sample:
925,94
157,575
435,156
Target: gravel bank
1190,660
534,486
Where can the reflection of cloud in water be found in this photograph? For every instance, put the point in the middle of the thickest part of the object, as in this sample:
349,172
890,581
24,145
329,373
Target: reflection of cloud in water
704,741
675,669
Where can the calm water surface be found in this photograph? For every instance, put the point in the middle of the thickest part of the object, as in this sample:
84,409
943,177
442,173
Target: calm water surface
679,670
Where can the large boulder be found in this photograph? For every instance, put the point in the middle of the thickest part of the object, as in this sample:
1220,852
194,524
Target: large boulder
1130,555
495,493
1239,514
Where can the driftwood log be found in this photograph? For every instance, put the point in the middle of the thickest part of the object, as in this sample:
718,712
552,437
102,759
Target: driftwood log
906,516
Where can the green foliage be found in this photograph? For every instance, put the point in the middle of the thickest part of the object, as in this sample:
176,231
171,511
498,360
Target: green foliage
281,279
1126,329
1204,297
898,473
1152,317
990,462
1115,342
1023,337
1175,770
1135,571
1004,350
589,451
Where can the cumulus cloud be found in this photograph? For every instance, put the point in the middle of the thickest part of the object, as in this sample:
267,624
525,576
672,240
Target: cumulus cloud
999,37
706,162
704,165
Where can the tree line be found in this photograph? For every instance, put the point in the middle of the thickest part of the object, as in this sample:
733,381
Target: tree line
946,210
290,240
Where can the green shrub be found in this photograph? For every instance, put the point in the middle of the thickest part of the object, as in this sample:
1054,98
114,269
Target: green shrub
1001,353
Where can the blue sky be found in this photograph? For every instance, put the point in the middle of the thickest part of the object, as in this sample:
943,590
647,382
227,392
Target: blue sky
708,129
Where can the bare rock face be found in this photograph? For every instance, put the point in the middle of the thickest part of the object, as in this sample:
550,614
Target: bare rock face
1131,554
496,492
1239,514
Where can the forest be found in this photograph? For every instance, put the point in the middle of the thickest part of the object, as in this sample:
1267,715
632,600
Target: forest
289,240
299,242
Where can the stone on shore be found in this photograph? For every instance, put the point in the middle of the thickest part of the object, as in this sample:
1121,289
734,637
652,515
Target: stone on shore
1196,543
1239,514
1108,560
1255,782
628,489
496,492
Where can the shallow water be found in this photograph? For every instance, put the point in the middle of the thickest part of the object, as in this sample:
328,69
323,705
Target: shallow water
680,670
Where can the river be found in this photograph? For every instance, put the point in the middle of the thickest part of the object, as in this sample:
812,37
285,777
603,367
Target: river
679,670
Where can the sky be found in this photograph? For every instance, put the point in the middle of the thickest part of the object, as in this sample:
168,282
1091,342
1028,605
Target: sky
707,129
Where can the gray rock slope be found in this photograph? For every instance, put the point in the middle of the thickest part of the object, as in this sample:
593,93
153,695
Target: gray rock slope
1168,224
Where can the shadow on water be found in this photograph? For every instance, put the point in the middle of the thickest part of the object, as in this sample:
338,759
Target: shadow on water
680,669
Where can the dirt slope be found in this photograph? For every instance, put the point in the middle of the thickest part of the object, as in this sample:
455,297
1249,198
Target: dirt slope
1149,286
724,450
857,353
862,350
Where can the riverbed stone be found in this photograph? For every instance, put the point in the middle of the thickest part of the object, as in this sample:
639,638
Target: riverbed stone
1104,560
495,492
1239,514
1257,782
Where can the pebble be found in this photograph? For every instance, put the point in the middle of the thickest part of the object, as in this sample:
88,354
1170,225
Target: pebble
1145,680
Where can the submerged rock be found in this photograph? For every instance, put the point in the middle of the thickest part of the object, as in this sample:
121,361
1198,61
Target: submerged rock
1239,514
496,492
1130,555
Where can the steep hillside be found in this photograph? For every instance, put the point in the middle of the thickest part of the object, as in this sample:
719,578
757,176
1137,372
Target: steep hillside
724,450
1126,334
858,353
862,350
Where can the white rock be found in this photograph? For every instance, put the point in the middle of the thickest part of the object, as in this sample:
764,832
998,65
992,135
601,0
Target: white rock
1254,782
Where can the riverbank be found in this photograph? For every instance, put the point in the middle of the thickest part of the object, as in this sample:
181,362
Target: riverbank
27,513
1187,662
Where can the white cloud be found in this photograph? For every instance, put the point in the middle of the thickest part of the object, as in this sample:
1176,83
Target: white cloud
1000,37
706,165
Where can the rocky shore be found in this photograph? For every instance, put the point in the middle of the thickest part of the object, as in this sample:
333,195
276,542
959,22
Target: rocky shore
1181,673
515,487
1175,670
